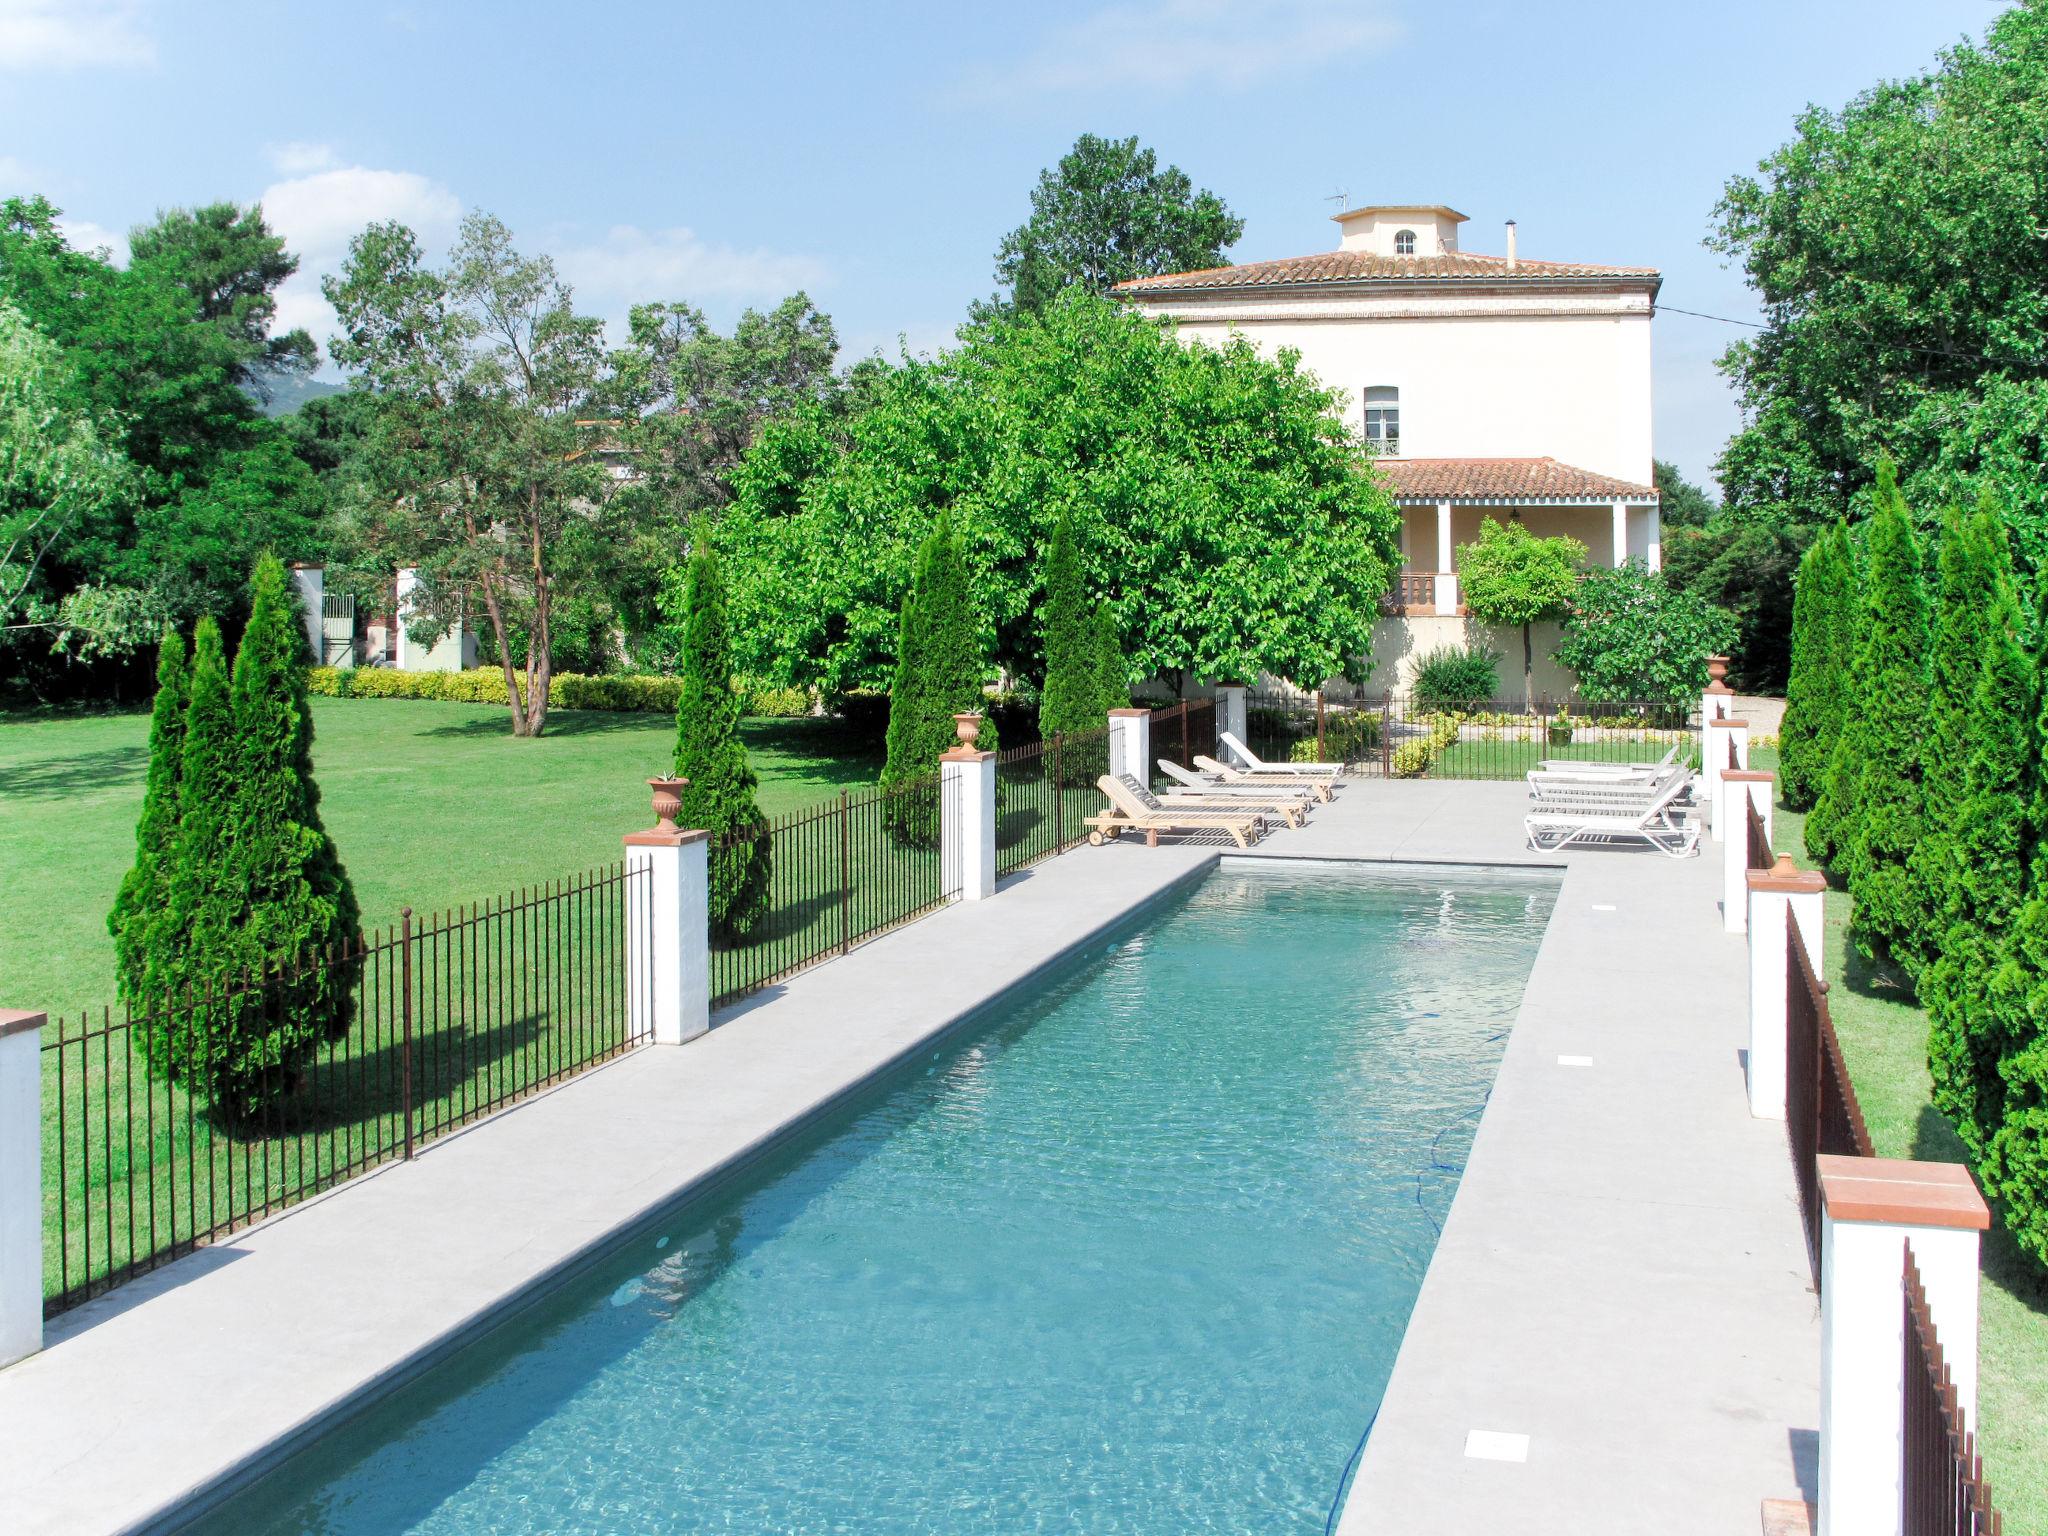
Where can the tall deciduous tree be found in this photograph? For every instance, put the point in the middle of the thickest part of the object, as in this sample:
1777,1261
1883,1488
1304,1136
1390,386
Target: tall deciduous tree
1816,695
232,264
146,887
1630,636
719,796
1105,214
1512,577
1886,731
478,470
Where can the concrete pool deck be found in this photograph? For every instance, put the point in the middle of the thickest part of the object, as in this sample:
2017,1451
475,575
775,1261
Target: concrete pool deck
1622,1275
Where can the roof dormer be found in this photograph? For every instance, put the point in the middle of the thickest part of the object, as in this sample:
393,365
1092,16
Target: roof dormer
1400,229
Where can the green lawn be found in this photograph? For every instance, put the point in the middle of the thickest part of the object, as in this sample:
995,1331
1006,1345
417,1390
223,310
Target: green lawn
1884,1037
1510,752
431,805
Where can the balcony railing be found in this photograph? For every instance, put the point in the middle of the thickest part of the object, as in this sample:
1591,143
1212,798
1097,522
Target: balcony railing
1412,590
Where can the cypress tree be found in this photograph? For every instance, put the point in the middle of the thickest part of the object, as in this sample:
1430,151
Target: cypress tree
1830,826
940,670
1983,847
190,949
296,906
709,753
1813,693
1965,597
1072,657
1886,730
146,886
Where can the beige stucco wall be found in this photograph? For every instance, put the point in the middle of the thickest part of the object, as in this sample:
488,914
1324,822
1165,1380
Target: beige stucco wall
1591,526
1399,643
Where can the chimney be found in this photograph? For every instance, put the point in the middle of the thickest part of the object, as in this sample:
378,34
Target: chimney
1511,245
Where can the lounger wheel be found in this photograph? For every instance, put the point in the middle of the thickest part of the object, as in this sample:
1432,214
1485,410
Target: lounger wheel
1095,838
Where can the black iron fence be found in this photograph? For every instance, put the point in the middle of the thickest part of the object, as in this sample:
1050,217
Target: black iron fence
150,1151
1759,851
1942,1487
838,873
1821,1112
1181,733
1043,790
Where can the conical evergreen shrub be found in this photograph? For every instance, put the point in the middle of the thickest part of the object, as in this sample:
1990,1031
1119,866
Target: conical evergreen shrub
1964,599
1984,848
1887,732
1830,828
2014,1167
709,753
1083,664
1813,694
940,671
1112,672
146,886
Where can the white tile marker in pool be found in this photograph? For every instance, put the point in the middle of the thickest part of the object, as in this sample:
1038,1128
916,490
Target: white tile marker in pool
1496,1445
1603,906
1575,1061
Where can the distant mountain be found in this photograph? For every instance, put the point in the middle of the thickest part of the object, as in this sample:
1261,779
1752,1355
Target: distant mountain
288,392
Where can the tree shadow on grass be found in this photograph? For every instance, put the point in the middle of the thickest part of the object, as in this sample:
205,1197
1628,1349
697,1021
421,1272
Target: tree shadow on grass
2005,1264
60,778
561,722
1874,978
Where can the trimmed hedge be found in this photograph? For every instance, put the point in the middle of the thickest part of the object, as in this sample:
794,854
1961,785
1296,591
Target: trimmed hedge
631,693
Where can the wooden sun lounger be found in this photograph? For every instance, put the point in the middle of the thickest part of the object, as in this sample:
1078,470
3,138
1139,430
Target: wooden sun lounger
1127,813
1254,764
1603,814
1275,802
1250,795
1224,775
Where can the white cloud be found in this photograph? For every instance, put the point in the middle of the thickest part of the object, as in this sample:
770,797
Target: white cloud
84,235
1170,45
636,266
319,213
301,158
73,34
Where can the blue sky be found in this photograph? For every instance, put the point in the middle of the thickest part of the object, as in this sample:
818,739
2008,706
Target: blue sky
874,154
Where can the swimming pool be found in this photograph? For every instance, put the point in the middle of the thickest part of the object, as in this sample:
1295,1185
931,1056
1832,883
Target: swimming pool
1134,1257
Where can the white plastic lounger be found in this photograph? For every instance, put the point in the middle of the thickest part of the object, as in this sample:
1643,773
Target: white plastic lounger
1604,815
1571,765
1272,800
1631,785
1253,764
1222,774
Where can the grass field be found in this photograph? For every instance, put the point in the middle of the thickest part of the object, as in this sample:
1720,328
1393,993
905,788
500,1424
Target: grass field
1884,1037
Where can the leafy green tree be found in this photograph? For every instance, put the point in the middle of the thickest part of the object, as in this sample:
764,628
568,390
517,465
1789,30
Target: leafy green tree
1886,732
1816,698
1112,676
941,672
1229,528
1745,565
203,545
477,469
1105,214
1975,849
146,886
1630,636
226,257
1083,666
1682,504
1967,572
719,796
1512,577
1831,825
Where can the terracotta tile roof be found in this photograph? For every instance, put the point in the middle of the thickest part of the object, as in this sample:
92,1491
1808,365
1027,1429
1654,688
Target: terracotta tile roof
1367,267
1504,480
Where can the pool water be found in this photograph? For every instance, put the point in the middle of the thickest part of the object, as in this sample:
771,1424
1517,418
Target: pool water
1135,1257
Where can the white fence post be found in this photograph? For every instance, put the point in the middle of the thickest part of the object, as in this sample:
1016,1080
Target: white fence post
1740,788
21,1184
1871,1207
1719,733
967,814
1776,896
311,581
1230,711
668,925
1130,743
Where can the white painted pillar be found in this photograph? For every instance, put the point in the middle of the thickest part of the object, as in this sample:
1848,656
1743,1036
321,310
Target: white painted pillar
1446,567
1871,1207
1230,710
1130,744
1656,552
967,815
311,581
668,927
21,1184
1740,788
1714,759
1620,537
406,655
1776,896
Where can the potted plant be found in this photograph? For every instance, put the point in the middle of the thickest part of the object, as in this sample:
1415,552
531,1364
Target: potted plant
1560,730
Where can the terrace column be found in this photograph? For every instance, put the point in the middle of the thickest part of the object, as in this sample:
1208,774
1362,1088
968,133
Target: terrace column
967,815
1871,1207
1776,896
311,582
1719,733
1130,743
1620,534
1230,710
21,1184
1446,570
1740,788
668,925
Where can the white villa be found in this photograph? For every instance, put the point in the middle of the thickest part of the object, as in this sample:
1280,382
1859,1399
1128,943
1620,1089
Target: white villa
1492,386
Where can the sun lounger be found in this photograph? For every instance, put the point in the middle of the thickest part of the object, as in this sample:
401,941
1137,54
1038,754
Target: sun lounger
1128,813
1593,811
1272,800
1569,765
1606,788
1224,774
1244,792
1253,764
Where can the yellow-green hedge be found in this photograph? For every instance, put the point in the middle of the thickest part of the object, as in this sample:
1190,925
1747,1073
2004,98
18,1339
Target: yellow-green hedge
566,690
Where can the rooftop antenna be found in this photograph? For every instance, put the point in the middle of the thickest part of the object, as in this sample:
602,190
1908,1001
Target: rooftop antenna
1341,197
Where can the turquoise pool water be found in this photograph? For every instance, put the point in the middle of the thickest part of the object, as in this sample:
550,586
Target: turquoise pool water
1134,1258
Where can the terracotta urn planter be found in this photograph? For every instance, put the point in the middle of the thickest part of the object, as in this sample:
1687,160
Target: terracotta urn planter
968,728
1717,673
668,800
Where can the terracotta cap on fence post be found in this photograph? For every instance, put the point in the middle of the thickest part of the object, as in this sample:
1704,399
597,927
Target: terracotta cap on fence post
668,931
1717,675
967,729
1788,879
